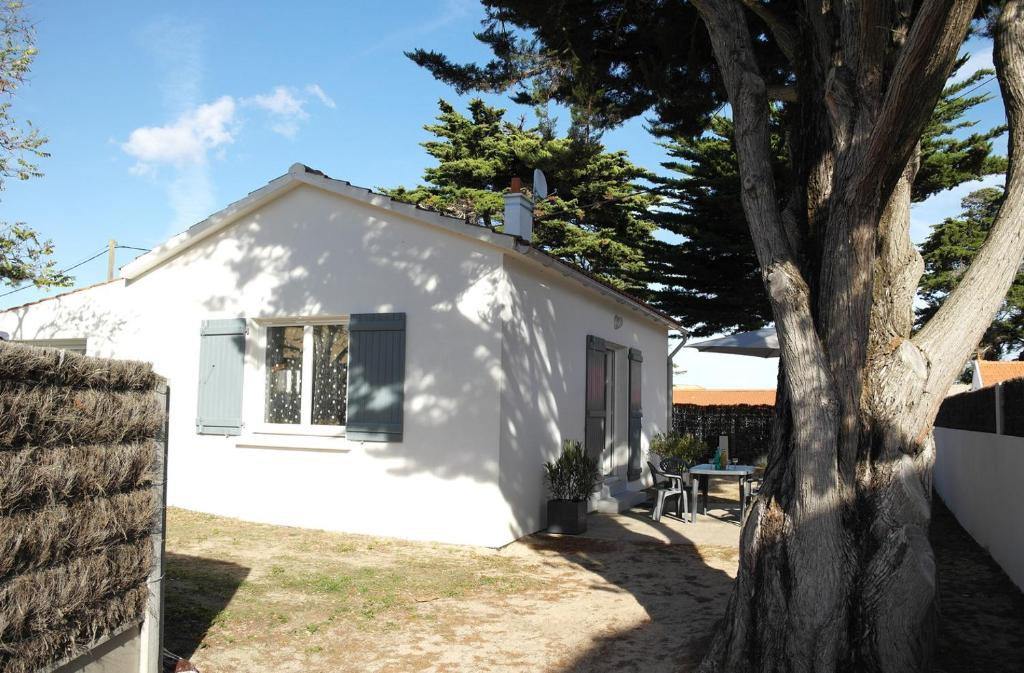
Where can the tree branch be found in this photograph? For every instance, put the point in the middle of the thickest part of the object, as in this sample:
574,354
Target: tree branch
783,32
783,92
810,385
949,337
921,70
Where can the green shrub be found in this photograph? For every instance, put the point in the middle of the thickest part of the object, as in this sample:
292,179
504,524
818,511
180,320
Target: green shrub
574,475
684,447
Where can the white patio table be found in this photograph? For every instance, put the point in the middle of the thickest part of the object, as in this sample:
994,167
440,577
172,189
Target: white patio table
740,472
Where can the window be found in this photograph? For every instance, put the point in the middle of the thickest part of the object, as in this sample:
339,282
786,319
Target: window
306,376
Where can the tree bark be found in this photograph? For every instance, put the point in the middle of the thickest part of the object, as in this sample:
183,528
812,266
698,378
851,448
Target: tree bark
836,571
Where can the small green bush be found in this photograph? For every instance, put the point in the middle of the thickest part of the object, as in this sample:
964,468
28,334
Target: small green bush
680,446
574,475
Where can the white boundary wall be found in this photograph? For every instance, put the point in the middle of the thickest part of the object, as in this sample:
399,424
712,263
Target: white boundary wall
980,477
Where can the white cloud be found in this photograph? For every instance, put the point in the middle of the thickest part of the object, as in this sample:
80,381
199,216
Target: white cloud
315,90
281,102
187,140
176,46
287,106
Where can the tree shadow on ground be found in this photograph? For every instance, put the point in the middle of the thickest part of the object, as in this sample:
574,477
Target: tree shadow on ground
196,592
674,580
981,611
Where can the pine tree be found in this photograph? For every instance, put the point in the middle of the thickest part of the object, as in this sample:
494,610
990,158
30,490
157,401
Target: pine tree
948,252
597,216
710,280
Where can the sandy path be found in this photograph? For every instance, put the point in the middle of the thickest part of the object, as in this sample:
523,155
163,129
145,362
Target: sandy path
631,603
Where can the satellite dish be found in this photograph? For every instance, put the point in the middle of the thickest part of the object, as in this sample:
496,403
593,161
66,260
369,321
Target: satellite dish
540,184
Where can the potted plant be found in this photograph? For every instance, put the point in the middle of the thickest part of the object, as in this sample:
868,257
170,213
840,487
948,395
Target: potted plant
571,479
682,449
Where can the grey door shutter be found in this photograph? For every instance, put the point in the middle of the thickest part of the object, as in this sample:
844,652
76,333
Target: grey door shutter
221,361
636,413
596,402
376,377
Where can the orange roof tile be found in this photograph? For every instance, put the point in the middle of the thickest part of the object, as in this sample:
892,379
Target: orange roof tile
994,371
723,396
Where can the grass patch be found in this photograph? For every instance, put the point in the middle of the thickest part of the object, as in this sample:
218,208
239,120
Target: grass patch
226,578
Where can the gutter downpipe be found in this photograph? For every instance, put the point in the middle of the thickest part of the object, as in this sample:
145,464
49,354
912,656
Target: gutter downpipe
671,370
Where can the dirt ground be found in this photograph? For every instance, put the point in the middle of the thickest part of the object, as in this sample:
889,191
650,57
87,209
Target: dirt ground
631,596
981,611
243,596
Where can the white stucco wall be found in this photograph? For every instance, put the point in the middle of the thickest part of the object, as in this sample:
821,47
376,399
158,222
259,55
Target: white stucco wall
543,392
311,253
978,476
462,473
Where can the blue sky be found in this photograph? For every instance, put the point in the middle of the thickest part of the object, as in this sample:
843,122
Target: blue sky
159,115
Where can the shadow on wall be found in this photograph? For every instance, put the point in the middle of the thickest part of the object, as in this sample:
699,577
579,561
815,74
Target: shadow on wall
81,319
296,263
196,590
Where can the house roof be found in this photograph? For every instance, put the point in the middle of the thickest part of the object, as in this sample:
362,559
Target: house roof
724,396
61,294
300,174
995,371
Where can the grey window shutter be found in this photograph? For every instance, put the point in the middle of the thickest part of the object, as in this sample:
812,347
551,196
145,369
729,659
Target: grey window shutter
376,377
596,403
636,412
221,362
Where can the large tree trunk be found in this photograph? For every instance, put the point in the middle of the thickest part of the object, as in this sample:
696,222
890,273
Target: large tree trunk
836,571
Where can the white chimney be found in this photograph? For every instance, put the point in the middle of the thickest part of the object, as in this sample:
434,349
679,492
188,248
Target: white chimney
518,212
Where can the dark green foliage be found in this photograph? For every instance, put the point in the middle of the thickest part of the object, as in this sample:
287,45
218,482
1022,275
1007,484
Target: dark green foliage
574,475
614,60
948,160
681,446
711,280
597,216
610,61
950,249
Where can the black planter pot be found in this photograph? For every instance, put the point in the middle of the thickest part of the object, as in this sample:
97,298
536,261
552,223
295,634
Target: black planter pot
567,517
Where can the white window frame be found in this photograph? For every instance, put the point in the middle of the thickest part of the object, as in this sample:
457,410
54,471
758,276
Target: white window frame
306,426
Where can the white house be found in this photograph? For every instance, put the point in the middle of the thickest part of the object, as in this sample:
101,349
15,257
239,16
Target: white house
343,361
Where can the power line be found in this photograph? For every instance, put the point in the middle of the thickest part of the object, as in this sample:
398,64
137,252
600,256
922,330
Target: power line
974,88
102,252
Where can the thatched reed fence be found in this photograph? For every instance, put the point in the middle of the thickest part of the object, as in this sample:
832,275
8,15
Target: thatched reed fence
81,476
749,427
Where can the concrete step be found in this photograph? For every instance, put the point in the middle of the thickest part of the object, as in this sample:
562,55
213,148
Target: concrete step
613,486
613,504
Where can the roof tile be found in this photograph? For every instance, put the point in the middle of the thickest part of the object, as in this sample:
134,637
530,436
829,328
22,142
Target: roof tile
705,397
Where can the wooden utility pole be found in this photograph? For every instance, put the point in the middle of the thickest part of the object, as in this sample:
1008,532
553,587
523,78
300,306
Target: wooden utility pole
111,246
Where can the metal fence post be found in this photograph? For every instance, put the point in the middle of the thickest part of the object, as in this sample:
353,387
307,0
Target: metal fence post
999,409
